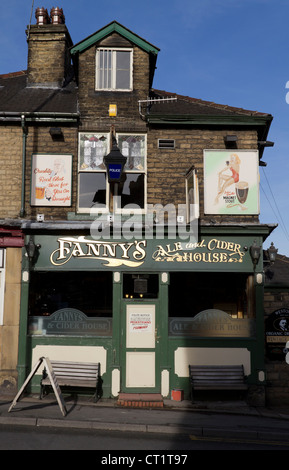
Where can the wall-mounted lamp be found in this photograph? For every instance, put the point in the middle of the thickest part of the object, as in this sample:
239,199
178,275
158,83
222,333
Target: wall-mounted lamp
265,143
272,253
55,131
31,249
114,163
255,252
56,134
231,141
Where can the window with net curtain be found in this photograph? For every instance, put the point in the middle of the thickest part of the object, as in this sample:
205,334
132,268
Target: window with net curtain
114,69
93,187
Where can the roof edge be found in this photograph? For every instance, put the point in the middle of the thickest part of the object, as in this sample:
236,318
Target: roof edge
112,27
212,104
213,119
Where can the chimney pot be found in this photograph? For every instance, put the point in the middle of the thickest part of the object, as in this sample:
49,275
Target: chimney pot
42,16
57,16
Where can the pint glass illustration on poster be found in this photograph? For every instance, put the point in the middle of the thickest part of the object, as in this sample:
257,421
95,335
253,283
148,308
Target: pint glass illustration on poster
231,182
51,180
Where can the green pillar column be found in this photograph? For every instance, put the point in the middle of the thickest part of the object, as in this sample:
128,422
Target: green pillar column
165,365
257,392
114,365
22,347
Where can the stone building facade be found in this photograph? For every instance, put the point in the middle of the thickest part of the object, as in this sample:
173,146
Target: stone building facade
197,299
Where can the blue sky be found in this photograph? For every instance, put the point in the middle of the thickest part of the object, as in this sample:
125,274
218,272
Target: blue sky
233,52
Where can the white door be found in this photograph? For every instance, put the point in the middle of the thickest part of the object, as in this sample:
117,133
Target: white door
140,347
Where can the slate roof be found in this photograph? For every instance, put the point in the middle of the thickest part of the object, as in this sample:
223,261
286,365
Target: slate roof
16,97
187,105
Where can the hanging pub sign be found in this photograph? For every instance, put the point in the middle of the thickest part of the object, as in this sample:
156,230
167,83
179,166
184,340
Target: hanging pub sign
277,333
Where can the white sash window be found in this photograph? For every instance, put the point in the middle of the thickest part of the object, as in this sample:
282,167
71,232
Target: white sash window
114,69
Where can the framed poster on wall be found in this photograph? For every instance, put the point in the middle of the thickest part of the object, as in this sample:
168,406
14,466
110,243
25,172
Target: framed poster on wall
231,182
51,180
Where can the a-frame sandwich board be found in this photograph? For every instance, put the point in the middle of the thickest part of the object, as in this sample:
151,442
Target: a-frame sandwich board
53,381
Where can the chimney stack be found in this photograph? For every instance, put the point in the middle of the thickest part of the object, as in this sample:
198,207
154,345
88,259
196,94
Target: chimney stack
49,62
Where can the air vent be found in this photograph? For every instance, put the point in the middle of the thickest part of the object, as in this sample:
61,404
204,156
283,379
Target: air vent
166,143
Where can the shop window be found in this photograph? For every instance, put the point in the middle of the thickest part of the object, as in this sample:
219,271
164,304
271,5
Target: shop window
93,189
70,303
140,286
114,69
211,304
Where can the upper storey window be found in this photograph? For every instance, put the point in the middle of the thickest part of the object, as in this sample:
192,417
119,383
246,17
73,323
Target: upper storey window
114,69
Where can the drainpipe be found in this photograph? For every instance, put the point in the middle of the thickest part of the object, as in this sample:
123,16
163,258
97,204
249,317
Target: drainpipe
24,138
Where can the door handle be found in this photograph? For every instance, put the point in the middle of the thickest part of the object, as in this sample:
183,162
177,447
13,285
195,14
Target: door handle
156,335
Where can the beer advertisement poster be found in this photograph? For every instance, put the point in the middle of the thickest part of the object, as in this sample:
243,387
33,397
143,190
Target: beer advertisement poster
51,180
231,182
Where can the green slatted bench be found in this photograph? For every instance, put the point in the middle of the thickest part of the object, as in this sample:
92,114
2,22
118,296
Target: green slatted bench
73,374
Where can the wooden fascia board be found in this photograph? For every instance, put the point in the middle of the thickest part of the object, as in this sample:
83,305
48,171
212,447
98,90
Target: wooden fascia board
261,230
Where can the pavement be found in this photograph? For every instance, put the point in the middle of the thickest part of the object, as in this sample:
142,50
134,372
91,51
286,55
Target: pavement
221,419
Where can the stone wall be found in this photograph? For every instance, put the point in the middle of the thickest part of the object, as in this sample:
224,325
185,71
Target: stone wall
10,171
166,168
48,54
40,141
9,330
94,105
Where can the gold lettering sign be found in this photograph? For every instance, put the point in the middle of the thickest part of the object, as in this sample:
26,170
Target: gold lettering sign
133,254
218,251
111,253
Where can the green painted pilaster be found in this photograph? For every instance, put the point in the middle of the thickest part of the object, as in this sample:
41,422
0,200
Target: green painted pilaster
22,351
116,306
260,329
164,281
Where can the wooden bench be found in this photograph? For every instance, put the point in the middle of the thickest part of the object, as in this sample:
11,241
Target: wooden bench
73,374
217,378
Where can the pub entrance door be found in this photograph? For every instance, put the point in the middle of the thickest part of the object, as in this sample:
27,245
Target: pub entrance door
140,342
